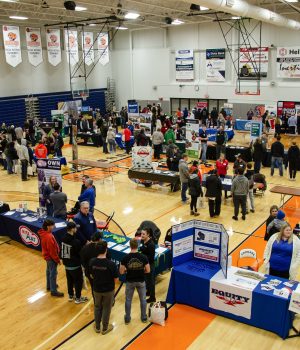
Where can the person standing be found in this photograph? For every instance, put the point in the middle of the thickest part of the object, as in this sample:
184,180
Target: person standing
157,141
148,249
194,190
104,131
249,175
273,215
292,123
59,200
86,223
222,167
50,252
277,155
203,138
221,139
258,155
11,155
111,140
23,155
40,150
214,193
239,190
70,254
184,177
48,189
239,163
293,158
170,135
264,142
58,144
127,136
88,195
135,265
19,133
104,272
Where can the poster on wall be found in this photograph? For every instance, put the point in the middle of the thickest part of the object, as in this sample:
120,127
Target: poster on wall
142,157
286,108
87,45
12,45
251,59
288,62
184,65
34,46
45,169
71,46
103,48
215,64
53,46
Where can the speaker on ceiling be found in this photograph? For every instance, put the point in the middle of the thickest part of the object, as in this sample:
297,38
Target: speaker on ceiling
70,5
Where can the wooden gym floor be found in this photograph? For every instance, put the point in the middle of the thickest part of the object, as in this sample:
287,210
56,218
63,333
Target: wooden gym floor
31,319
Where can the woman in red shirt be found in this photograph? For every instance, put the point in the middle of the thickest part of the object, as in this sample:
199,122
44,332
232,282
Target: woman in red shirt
222,167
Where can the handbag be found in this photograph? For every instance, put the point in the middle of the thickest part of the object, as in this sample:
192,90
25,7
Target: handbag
158,312
123,138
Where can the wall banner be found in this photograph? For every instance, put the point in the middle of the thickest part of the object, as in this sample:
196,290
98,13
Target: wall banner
12,45
34,46
103,48
87,45
251,59
53,46
288,62
215,64
71,46
184,65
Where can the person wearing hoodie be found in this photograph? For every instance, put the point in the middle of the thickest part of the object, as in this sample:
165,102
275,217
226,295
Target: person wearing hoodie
239,190
170,151
50,252
157,141
70,254
23,155
111,140
214,193
275,225
170,135
184,177
194,190
293,157
11,156
40,150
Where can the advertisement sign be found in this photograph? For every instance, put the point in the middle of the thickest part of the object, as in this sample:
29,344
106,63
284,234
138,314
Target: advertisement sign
103,48
184,65
288,62
286,108
53,46
255,129
28,237
209,237
183,246
45,169
71,46
12,45
34,46
87,47
133,108
201,105
142,157
215,64
253,60
191,134
206,253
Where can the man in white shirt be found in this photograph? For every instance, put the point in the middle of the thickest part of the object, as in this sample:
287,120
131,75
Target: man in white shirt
24,158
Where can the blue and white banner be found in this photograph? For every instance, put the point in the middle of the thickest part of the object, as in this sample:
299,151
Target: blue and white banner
184,65
133,108
215,64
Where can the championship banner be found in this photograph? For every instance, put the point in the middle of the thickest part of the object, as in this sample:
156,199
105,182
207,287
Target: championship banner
142,157
87,47
12,45
71,46
288,62
45,169
215,64
34,46
103,48
53,46
251,59
184,65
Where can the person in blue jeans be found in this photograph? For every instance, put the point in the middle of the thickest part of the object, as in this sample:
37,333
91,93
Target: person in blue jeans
277,155
203,138
135,265
184,176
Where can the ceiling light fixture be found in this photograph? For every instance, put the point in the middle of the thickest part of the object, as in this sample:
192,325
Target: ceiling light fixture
80,8
70,5
235,17
18,17
177,22
9,0
291,0
131,15
92,24
121,28
203,8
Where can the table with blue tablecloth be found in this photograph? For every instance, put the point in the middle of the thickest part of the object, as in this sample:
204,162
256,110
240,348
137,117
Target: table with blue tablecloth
121,143
191,284
24,227
226,182
242,124
211,134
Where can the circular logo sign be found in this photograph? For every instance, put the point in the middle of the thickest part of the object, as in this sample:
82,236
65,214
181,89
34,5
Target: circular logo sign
143,152
29,237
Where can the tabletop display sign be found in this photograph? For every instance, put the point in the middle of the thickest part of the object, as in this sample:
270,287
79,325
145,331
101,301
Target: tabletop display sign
255,129
142,157
53,46
288,62
103,48
253,61
295,301
133,108
12,45
184,65
87,45
215,65
286,108
71,46
45,169
34,46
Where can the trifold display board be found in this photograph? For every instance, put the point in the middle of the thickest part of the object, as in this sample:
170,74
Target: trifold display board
197,239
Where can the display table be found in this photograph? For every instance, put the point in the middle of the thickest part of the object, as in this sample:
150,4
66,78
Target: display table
24,227
104,166
194,283
90,139
231,152
226,182
121,143
211,134
285,191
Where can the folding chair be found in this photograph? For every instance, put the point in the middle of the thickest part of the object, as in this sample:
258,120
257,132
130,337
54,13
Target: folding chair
103,225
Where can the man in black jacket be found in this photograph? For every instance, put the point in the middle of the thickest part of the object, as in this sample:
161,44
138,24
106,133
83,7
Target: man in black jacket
214,193
277,154
221,139
70,254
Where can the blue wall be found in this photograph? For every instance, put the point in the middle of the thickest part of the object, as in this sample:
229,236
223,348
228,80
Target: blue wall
13,110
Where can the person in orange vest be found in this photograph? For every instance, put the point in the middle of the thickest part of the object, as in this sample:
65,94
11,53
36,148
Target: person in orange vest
40,150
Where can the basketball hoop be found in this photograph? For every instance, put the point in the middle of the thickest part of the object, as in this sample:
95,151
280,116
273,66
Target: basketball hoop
83,94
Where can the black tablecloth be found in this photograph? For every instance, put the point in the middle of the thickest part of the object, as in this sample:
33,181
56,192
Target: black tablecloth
231,152
90,139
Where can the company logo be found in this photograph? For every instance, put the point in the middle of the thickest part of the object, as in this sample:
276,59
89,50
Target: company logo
28,237
282,51
247,253
143,152
230,298
41,163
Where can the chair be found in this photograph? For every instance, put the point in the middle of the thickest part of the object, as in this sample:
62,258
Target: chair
103,225
248,253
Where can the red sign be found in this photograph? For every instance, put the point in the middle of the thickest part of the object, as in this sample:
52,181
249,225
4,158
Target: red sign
29,237
201,105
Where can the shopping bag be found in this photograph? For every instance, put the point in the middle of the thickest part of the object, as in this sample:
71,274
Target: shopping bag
29,170
158,312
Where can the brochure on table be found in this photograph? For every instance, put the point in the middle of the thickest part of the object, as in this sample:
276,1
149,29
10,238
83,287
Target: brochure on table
200,240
